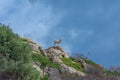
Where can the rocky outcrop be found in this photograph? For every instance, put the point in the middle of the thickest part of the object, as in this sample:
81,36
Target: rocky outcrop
71,70
36,65
34,46
54,74
83,63
55,53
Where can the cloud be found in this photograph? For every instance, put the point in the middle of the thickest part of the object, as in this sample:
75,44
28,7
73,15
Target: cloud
92,25
34,20
73,34
76,33
5,5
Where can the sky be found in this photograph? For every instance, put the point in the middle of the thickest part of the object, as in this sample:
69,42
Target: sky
84,26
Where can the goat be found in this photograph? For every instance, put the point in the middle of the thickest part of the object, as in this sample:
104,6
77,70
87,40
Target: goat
57,42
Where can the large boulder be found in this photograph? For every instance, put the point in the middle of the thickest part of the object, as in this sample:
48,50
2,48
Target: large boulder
54,74
55,53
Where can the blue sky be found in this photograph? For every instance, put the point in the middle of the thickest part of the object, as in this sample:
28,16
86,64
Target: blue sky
83,25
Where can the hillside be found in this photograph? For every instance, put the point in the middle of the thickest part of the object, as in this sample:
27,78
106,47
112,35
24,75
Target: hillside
24,59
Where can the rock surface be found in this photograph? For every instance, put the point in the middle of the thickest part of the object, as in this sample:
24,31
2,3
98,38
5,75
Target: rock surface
72,70
34,46
55,53
36,65
83,63
54,74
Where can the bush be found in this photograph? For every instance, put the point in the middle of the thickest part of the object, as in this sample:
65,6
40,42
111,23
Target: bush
15,57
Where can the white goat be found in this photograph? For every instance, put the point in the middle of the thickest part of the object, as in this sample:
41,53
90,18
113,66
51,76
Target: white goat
57,42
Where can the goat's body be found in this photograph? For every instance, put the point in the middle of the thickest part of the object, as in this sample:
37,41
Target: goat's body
57,42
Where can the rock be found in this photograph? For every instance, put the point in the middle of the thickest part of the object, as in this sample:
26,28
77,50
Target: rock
72,70
83,63
55,53
34,46
36,65
54,74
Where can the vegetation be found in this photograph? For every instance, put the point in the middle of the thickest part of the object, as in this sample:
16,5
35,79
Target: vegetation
15,57
43,61
89,62
113,73
45,77
77,57
70,63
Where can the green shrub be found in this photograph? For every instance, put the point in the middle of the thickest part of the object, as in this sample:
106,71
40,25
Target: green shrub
15,57
70,63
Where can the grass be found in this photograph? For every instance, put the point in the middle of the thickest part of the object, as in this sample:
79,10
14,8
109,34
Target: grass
44,61
46,77
70,63
90,62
